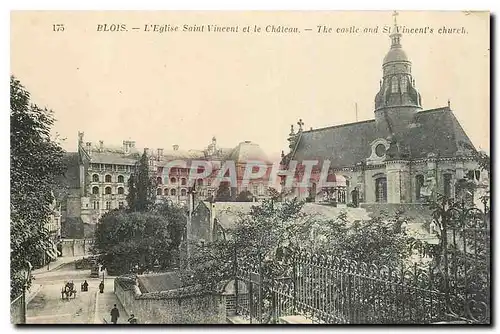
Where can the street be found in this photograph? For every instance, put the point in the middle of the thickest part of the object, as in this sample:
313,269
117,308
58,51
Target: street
90,307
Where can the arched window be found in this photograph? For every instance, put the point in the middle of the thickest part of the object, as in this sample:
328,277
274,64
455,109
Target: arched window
183,181
158,192
394,85
120,191
404,84
183,192
165,192
95,190
381,190
121,179
419,183
95,178
107,190
173,180
159,180
107,178
173,192
200,182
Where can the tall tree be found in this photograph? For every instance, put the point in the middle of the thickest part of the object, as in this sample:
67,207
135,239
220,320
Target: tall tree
223,192
142,193
35,163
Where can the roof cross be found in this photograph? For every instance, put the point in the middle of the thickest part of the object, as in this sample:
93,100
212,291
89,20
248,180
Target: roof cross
395,15
300,123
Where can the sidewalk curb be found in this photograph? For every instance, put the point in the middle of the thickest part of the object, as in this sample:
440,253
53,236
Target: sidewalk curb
96,307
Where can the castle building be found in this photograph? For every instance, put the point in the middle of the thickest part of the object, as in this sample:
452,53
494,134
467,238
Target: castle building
404,154
99,175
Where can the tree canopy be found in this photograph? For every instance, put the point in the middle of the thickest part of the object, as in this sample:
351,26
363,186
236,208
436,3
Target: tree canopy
148,240
36,161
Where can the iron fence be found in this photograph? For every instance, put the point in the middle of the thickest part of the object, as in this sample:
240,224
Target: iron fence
455,286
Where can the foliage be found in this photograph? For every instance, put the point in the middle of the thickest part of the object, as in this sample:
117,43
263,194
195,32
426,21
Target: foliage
144,239
142,194
35,163
244,196
223,192
276,231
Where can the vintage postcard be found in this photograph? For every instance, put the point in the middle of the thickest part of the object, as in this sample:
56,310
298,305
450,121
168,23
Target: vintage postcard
251,167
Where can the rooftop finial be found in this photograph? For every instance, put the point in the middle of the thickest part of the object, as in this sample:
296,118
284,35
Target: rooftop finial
300,123
449,103
395,15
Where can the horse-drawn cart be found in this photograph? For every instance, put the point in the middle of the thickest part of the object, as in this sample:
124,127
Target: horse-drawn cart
68,291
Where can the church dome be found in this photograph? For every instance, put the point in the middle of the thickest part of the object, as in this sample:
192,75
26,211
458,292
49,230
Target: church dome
395,54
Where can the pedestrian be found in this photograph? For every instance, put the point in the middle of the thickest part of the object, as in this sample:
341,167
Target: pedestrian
101,287
132,319
115,314
85,286
355,197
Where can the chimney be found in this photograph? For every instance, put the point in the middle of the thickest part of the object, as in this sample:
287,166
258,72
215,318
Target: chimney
126,146
101,145
176,147
160,152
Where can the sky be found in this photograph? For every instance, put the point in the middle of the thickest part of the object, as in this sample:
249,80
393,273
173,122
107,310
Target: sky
162,89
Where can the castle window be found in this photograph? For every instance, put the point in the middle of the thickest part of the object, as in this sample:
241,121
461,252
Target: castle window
96,205
173,192
165,192
120,191
183,181
108,205
95,178
159,180
158,192
121,179
95,190
183,192
120,205
107,178
404,84
419,183
107,191
173,180
394,85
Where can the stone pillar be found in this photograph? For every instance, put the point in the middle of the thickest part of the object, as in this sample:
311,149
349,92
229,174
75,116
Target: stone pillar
398,181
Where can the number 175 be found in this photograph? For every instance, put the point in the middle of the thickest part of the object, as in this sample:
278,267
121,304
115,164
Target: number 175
58,27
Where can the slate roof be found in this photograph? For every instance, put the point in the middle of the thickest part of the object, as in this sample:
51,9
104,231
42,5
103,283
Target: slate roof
159,282
436,131
248,151
117,156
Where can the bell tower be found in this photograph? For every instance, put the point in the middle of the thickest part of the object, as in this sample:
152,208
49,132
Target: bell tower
397,100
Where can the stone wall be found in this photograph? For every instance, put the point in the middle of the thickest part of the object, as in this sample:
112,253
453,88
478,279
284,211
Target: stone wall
188,305
76,247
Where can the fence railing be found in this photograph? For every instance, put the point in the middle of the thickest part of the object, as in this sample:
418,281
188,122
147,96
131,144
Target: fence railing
454,287
17,310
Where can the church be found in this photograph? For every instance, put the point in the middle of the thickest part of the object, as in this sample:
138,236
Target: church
403,155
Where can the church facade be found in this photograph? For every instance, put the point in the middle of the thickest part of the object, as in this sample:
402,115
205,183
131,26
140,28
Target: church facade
403,155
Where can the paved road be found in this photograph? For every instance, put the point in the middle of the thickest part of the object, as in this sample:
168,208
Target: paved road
47,307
